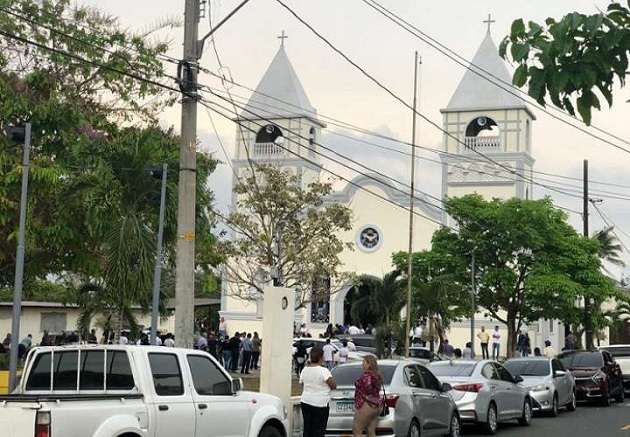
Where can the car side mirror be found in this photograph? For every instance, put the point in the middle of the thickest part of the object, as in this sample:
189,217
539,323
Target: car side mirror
446,386
518,378
237,385
559,373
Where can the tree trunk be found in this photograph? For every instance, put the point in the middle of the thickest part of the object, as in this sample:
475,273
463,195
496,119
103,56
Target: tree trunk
511,338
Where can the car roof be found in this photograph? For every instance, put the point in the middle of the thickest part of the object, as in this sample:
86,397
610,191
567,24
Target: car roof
532,358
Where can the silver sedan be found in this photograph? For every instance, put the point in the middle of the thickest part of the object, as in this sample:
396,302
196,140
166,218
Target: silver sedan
485,392
419,405
550,385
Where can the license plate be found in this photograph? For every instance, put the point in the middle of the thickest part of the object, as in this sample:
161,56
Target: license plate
345,407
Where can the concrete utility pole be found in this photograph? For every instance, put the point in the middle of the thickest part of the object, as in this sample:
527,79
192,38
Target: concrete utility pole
588,321
185,260
19,261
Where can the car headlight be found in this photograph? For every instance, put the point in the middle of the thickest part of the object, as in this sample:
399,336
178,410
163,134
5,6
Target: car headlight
540,387
598,377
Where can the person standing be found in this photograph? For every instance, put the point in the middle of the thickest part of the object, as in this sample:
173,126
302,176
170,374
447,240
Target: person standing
222,327
329,351
549,352
368,399
246,346
317,383
256,345
344,352
496,343
484,338
235,347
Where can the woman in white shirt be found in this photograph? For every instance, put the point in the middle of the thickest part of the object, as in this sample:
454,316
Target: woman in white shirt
317,383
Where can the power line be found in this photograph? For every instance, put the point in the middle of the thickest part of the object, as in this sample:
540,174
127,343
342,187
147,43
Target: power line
448,52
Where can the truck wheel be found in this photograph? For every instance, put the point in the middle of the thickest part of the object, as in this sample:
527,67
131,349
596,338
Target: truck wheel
269,431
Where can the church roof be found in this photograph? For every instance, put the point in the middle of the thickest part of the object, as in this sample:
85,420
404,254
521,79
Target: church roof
279,93
478,88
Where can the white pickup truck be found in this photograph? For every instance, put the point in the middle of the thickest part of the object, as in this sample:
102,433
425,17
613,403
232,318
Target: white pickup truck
134,391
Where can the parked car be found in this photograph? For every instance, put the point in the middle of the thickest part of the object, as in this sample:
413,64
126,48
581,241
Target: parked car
485,392
597,375
362,342
424,354
550,384
418,403
621,354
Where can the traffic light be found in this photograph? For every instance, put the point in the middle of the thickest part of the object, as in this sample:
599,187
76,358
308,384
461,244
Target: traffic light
15,133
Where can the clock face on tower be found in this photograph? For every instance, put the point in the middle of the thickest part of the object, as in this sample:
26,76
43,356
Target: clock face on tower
369,238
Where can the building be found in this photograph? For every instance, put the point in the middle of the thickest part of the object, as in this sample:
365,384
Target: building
487,149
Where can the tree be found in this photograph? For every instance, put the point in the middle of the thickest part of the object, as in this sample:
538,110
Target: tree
68,72
530,263
572,60
273,206
381,300
436,291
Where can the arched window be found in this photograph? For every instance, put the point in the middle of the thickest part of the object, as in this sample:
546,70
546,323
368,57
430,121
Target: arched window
268,134
269,141
311,136
482,133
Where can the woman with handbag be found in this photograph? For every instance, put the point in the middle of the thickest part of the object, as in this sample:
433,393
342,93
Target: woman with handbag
317,382
368,399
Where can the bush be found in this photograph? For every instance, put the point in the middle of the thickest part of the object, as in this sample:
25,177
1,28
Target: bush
389,337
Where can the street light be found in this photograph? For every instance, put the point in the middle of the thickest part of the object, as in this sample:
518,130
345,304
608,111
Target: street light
158,256
22,136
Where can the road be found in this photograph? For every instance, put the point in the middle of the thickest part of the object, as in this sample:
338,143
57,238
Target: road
586,421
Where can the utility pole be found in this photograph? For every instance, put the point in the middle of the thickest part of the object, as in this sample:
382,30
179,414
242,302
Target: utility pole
408,326
185,260
19,257
473,306
588,321
157,272
187,71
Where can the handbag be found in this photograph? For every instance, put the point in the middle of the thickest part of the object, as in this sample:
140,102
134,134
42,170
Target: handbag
384,409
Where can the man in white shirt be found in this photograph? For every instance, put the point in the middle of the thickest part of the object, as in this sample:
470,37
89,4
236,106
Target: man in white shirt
168,341
353,330
123,338
496,343
329,351
344,352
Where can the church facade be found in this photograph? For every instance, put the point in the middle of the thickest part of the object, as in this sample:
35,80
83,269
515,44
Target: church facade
487,149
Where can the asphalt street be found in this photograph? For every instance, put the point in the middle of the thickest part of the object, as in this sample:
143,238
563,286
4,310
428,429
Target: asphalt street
586,421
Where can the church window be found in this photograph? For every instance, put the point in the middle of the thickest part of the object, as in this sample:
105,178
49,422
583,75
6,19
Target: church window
528,136
269,141
482,133
320,300
369,238
311,136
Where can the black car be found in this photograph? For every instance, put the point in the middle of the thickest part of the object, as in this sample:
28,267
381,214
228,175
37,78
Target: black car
597,375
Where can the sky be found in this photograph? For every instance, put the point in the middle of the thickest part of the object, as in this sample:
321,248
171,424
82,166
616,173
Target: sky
248,41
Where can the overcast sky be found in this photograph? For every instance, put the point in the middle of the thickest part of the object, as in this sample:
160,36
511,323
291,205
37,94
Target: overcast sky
247,43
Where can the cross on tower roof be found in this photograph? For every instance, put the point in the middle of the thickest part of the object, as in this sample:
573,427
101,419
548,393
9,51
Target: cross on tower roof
489,21
282,38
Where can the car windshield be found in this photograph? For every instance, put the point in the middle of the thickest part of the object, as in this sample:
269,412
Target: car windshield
347,375
528,368
453,369
582,359
420,353
618,351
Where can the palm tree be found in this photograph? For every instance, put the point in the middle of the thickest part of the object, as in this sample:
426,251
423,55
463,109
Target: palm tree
610,246
381,300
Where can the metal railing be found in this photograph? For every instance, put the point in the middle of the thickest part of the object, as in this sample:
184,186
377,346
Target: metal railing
483,143
267,149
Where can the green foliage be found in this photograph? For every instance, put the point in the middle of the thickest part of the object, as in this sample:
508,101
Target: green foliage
390,337
571,60
272,197
40,291
530,263
379,300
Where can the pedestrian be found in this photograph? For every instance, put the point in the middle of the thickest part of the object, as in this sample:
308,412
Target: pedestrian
235,347
457,354
317,382
496,343
169,341
368,400
226,352
570,341
24,345
549,352
222,327
92,338
256,345
521,344
528,345
484,338
537,352
329,352
246,346
448,349
467,353
344,351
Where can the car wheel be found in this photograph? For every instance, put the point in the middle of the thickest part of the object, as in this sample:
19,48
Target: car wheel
621,395
455,427
490,427
414,429
554,406
605,400
572,405
270,431
526,418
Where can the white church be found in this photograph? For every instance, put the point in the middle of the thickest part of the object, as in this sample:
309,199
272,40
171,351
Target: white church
481,116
